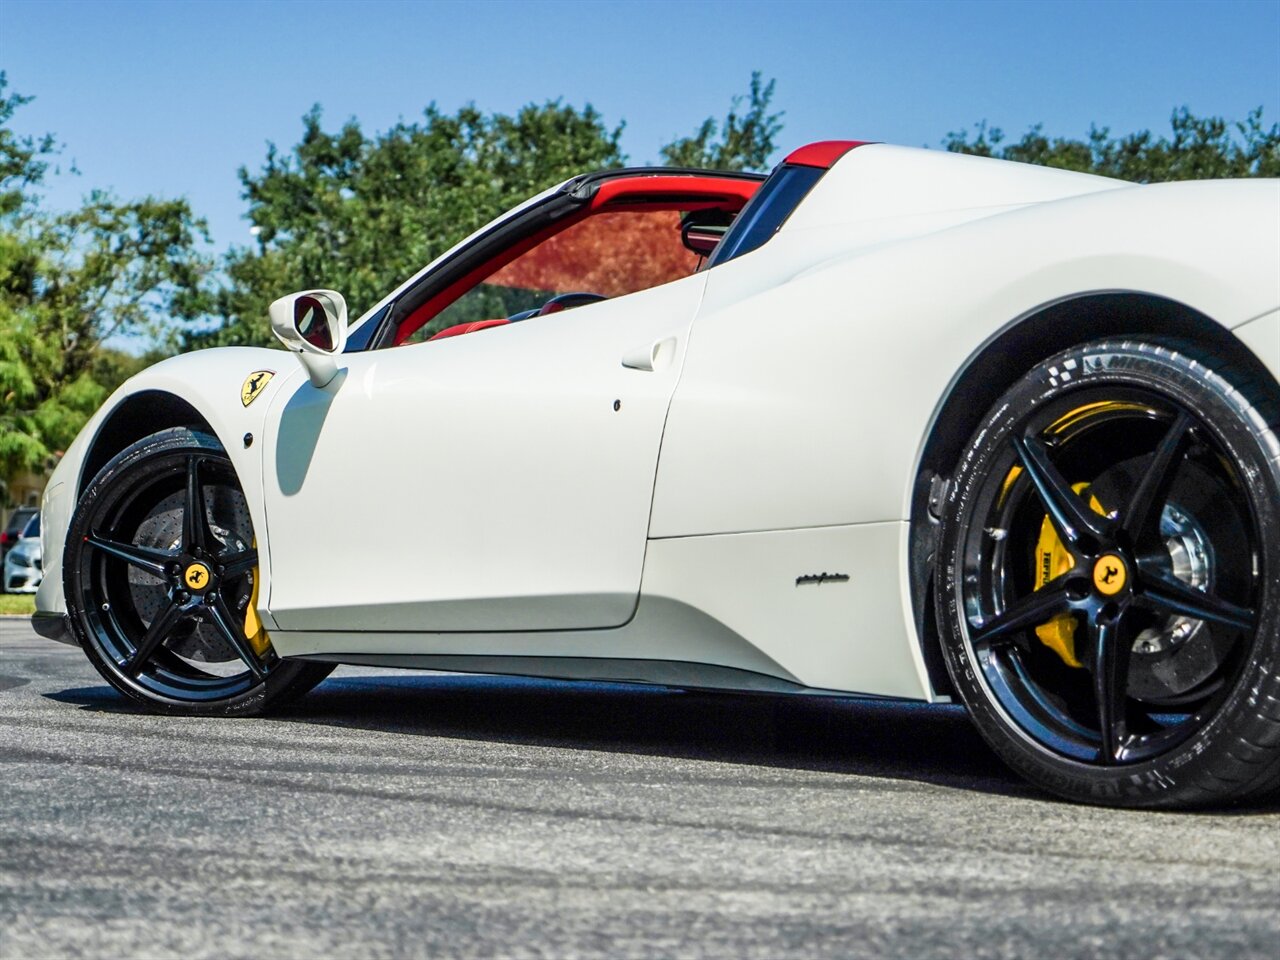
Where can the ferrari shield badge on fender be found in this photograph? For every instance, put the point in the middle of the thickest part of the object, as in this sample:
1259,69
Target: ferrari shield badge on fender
253,385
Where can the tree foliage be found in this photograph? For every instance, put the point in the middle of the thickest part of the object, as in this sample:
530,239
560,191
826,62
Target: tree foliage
68,282
1197,148
361,213
745,138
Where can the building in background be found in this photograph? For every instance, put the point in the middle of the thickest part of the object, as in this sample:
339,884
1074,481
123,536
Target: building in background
24,490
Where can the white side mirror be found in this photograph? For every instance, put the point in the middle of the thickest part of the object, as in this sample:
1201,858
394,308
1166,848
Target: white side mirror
312,324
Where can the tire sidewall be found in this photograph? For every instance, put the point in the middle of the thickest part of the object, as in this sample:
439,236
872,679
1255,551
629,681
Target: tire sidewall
1186,773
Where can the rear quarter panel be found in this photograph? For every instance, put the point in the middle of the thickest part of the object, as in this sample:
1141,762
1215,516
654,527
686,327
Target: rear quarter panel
806,403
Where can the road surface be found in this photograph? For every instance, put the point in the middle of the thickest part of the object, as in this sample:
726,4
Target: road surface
397,814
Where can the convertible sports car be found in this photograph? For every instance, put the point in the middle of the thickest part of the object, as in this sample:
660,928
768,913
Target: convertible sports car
888,422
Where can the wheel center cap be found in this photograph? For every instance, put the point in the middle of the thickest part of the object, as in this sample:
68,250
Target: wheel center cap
1110,574
196,576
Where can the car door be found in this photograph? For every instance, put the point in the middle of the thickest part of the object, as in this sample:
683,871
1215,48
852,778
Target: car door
500,480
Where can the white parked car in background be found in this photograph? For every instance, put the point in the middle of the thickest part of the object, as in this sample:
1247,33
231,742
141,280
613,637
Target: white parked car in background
890,422
23,567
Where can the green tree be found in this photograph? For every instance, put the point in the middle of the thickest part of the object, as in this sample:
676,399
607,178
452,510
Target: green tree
745,138
69,281
1197,148
360,213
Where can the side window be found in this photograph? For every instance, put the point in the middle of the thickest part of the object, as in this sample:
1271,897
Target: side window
609,254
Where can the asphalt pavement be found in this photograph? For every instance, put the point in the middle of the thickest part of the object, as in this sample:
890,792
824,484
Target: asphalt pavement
406,814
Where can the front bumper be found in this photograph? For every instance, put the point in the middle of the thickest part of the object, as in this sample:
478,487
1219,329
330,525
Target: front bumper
52,626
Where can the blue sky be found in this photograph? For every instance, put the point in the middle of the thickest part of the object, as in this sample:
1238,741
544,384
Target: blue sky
172,97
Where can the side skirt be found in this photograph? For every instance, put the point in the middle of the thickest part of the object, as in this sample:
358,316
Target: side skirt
667,673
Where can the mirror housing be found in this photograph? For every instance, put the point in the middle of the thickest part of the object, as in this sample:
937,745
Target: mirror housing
313,325
701,230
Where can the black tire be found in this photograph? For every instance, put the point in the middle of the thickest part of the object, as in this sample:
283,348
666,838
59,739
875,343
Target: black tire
1119,643
157,592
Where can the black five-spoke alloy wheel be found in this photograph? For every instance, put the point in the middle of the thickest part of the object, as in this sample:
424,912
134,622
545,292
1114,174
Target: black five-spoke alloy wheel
1108,577
159,577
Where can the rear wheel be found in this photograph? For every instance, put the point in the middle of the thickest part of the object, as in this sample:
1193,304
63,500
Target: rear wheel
160,578
1109,578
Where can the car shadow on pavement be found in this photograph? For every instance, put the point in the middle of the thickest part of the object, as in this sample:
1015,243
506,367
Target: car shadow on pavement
878,738
897,739
934,744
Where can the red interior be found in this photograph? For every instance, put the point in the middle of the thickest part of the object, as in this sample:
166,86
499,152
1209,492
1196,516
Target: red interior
468,280
644,192
470,327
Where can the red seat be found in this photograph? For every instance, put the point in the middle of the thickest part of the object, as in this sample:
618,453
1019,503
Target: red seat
472,326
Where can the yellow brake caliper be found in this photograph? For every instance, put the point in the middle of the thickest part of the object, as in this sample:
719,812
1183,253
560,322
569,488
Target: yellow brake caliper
1053,559
253,629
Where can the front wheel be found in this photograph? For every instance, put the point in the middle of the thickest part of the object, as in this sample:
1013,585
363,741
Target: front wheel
1108,579
160,577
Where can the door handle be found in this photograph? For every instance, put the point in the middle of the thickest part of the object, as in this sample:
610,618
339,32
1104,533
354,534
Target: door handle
656,356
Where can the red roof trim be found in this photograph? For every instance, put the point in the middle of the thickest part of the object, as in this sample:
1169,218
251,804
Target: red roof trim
824,153
677,192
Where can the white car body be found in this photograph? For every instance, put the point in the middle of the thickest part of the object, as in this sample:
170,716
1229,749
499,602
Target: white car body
745,513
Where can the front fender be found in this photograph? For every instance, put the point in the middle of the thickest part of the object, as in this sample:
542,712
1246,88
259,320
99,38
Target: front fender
210,382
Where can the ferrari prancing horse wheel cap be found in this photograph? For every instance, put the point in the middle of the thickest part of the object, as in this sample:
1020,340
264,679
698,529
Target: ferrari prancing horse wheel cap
196,576
1110,574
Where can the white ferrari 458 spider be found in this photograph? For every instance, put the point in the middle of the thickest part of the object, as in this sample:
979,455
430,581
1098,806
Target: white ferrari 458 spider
887,422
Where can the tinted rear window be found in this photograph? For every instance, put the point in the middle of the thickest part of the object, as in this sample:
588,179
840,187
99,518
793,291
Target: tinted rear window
766,211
